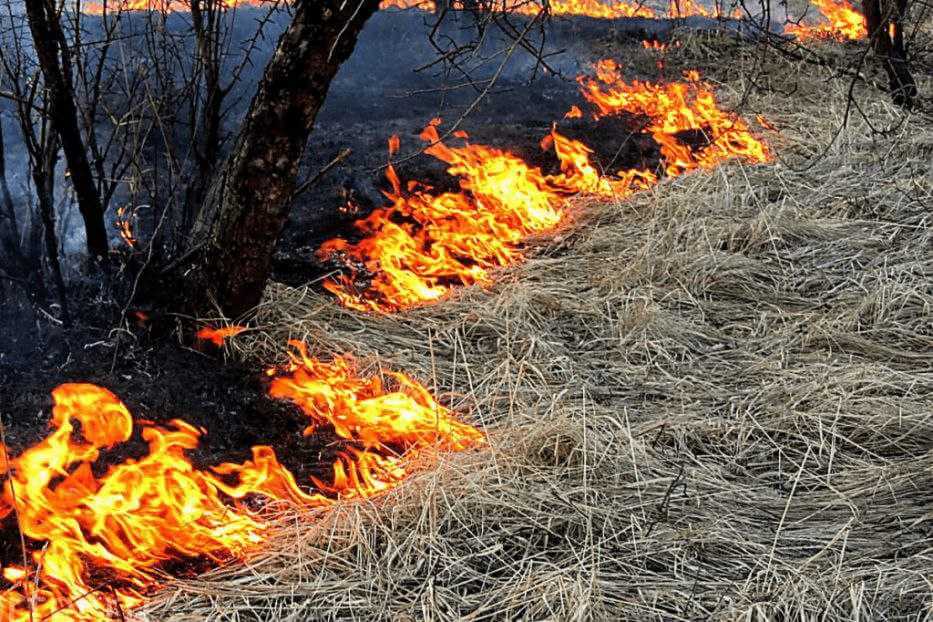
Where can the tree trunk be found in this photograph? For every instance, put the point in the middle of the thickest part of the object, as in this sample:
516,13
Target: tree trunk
44,178
204,20
250,196
7,209
49,42
885,32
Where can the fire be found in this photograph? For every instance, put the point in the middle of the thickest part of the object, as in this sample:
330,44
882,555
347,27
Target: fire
593,8
96,544
424,5
168,6
124,224
415,249
424,243
217,336
673,110
841,22
600,9
171,6
362,410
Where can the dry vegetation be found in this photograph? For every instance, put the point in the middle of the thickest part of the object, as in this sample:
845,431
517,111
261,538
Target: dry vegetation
712,401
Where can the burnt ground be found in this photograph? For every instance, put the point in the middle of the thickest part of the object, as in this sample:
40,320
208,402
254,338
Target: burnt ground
377,94
373,99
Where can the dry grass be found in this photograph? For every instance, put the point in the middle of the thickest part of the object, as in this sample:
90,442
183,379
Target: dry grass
712,401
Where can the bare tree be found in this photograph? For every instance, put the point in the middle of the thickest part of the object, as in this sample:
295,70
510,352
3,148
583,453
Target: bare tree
250,197
154,128
55,62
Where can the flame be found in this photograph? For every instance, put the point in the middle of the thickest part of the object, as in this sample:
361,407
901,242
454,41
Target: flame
97,544
674,109
596,8
124,225
600,9
172,6
424,243
167,6
424,5
217,336
362,410
841,22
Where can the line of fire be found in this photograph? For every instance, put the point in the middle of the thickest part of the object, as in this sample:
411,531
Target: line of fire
168,163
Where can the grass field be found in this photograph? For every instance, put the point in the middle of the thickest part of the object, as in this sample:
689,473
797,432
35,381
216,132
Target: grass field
711,401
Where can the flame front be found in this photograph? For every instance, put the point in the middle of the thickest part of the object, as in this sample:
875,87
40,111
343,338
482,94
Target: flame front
841,22
674,110
600,9
424,243
96,544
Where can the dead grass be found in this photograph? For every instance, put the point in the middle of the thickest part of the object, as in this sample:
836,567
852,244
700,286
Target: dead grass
712,401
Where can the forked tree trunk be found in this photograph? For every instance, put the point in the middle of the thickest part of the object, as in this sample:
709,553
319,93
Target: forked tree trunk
49,42
250,195
884,20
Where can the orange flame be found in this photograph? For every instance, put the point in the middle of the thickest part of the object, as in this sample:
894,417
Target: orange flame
217,336
172,6
424,5
168,6
600,9
124,225
672,110
652,44
96,543
424,243
841,22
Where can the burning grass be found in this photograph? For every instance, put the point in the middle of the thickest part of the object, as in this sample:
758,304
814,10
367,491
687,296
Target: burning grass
424,243
838,21
82,529
711,401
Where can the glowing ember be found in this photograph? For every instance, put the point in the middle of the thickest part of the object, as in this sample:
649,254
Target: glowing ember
424,243
841,22
96,543
217,336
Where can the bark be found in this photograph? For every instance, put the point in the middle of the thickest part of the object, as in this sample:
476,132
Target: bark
52,53
250,196
880,20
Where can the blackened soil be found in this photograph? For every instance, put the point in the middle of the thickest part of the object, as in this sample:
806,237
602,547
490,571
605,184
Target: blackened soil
160,380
